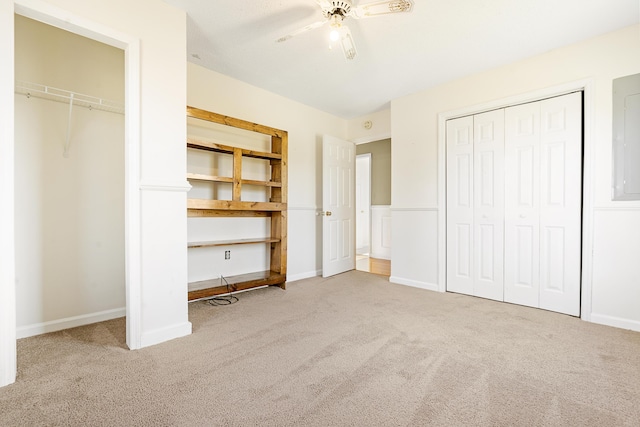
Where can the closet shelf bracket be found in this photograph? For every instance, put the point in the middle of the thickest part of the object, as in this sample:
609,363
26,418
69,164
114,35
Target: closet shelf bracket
67,141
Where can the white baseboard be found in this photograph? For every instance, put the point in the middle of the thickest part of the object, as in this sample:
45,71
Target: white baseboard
616,322
414,283
158,336
69,322
302,276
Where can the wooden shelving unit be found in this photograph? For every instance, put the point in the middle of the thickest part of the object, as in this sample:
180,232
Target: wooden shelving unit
275,208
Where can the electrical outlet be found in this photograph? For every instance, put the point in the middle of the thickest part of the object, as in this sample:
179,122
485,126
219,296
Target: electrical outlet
227,254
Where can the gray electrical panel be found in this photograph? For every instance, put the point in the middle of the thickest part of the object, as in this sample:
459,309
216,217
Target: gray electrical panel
626,138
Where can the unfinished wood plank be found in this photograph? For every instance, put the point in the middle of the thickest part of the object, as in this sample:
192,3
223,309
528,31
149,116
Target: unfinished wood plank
234,205
202,177
213,287
284,169
261,183
231,242
237,175
227,149
278,256
232,121
209,213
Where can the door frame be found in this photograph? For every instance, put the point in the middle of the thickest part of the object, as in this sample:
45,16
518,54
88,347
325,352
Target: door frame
587,86
61,18
368,157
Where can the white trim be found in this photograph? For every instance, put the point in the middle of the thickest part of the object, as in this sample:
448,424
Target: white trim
588,184
165,186
587,87
8,358
373,138
69,322
616,322
365,249
407,209
616,208
523,98
61,18
303,208
158,336
302,276
133,226
413,283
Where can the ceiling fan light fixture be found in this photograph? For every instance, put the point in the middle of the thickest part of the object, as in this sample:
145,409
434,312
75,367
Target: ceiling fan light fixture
336,25
348,45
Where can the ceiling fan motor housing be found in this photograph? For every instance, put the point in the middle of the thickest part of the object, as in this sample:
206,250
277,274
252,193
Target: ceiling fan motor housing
339,7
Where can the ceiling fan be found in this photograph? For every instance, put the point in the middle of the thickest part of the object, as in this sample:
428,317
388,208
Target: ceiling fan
336,11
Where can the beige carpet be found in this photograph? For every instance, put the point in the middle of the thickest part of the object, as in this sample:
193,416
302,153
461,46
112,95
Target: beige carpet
353,350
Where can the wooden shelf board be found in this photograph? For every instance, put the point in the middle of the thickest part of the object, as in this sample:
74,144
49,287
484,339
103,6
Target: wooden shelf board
220,148
201,177
231,242
213,287
208,213
261,183
235,205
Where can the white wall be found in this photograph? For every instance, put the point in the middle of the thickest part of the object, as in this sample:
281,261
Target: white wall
156,239
380,127
215,92
415,173
69,211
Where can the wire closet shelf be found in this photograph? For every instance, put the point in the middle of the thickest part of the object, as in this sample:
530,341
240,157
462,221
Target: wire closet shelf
61,95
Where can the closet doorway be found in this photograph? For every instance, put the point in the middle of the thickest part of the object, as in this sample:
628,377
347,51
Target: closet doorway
69,180
514,205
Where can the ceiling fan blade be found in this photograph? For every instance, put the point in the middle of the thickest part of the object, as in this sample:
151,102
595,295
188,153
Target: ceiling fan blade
324,4
381,8
302,30
347,43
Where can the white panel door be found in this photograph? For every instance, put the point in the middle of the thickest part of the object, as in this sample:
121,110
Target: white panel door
560,203
338,204
460,263
522,206
488,183
543,204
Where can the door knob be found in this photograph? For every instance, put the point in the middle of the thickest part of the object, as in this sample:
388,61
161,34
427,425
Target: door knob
327,213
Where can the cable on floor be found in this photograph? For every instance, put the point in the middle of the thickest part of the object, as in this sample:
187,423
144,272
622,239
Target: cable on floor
224,299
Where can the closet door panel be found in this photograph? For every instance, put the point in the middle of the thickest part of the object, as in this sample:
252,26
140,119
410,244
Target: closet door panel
488,180
561,203
460,263
522,187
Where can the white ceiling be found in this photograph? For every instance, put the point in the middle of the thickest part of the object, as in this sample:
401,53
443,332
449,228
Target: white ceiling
399,54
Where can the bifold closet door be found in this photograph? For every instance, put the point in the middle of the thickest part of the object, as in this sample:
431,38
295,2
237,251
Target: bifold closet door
543,187
475,205
460,205
488,201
